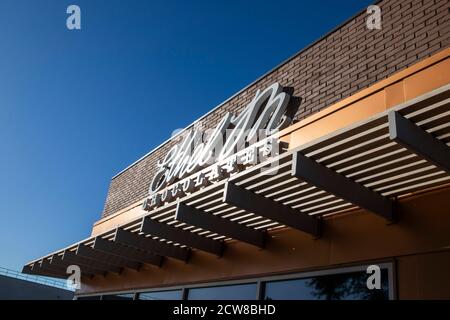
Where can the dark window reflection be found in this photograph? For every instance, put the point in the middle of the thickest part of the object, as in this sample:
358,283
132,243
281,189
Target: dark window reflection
89,298
160,295
342,286
234,292
124,296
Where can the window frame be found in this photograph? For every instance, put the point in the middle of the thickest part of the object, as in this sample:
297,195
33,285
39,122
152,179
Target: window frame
138,293
390,265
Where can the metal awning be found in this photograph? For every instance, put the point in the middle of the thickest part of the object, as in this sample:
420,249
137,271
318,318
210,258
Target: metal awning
368,165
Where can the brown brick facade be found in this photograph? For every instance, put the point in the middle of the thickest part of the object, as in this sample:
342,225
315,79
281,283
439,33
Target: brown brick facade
340,64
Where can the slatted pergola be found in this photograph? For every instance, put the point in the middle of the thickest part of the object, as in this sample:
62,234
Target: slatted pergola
368,165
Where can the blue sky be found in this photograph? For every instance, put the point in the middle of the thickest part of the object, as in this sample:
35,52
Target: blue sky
76,107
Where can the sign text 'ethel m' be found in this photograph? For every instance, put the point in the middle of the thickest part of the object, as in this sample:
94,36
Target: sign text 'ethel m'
205,156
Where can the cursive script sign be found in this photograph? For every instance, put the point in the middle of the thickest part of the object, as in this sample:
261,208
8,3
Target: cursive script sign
235,141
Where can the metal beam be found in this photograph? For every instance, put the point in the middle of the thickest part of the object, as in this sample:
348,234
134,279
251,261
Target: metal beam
121,251
88,252
27,269
43,265
37,269
178,235
270,209
73,258
57,261
49,274
201,219
36,266
414,138
47,265
326,179
147,244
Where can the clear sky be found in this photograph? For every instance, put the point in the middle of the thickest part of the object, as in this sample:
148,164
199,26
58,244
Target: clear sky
76,107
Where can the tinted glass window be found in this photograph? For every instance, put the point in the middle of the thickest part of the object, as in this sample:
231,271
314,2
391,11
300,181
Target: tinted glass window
160,295
342,286
89,298
124,296
234,292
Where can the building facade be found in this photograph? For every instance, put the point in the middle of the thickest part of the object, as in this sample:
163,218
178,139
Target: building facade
332,166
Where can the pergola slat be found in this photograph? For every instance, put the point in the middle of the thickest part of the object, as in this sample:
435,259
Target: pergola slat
73,258
26,269
121,251
97,255
320,176
147,244
46,264
38,269
57,261
267,208
389,155
178,235
414,138
201,219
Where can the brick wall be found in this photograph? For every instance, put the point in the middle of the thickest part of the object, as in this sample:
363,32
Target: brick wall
338,65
